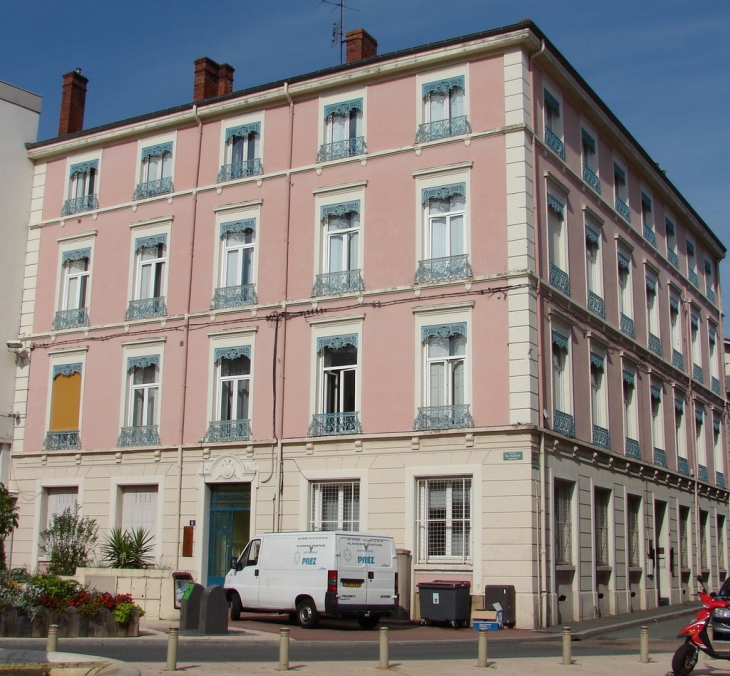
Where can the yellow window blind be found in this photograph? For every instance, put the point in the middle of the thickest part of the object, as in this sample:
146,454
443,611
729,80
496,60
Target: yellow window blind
65,402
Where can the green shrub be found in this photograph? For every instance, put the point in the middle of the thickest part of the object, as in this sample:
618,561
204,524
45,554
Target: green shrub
69,541
128,549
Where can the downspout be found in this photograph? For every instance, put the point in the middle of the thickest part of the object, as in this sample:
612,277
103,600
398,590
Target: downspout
541,487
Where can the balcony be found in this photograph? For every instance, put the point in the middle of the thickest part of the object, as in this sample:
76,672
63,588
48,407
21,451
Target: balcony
332,283
683,466
222,431
60,441
144,308
655,344
230,172
161,186
623,209
694,278
649,235
596,305
601,437
715,382
555,144
341,149
627,326
443,269
711,296
234,296
559,279
432,131
698,373
330,424
70,319
673,258
564,423
702,473
145,435
591,178
79,204
678,359
720,479
633,449
660,458
443,418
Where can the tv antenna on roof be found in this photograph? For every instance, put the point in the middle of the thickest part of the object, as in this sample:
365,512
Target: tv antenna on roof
338,28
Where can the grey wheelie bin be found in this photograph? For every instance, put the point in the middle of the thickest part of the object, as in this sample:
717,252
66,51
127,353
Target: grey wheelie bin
445,601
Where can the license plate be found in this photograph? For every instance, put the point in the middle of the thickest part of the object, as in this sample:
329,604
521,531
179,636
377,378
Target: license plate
352,583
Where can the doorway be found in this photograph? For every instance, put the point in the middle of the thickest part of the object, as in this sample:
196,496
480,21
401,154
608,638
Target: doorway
230,521
663,581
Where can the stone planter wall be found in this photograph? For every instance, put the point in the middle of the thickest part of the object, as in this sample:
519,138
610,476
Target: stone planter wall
15,622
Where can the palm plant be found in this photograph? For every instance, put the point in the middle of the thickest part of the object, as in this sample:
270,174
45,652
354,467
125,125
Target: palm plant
128,549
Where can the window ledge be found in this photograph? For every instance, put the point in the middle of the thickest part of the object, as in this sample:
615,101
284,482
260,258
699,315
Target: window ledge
636,569
564,567
604,569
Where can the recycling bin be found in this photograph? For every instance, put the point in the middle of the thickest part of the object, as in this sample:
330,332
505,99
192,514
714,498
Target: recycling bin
445,601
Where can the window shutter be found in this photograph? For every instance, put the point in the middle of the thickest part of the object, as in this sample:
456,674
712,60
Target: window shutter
65,403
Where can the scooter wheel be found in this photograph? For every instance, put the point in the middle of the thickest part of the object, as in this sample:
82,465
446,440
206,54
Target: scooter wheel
684,660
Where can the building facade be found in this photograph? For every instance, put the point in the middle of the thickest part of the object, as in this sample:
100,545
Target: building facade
486,325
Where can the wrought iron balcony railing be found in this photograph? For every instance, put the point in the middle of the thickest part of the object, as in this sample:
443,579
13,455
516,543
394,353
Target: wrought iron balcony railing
596,304
655,344
591,178
78,204
698,374
553,142
627,326
432,131
230,172
683,466
673,258
443,269
678,359
715,383
329,424
694,278
332,283
564,423
633,450
60,441
234,296
147,435
71,319
649,235
341,149
221,431
660,457
623,209
720,479
711,296
601,437
702,473
443,418
144,308
161,186
559,279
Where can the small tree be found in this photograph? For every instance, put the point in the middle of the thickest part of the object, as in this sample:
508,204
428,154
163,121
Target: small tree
8,520
69,541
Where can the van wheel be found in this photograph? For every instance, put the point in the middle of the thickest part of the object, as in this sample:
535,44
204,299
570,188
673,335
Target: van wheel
236,607
368,621
307,614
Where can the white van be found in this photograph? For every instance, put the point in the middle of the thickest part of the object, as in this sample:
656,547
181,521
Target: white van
333,573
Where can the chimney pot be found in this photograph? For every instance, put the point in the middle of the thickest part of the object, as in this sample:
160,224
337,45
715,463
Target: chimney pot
360,45
205,84
73,102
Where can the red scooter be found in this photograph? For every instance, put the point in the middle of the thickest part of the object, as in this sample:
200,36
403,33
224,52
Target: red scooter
696,637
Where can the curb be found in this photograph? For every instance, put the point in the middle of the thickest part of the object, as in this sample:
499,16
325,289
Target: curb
587,633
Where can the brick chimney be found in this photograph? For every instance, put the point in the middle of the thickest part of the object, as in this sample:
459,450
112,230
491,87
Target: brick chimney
225,79
360,45
73,102
205,85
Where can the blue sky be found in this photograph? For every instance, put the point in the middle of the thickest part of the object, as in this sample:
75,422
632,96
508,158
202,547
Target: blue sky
662,67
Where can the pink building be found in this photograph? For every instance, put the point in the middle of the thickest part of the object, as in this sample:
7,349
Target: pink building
486,324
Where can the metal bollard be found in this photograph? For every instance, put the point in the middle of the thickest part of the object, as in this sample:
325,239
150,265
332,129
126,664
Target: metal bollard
52,642
482,648
384,658
644,644
172,649
284,649
567,647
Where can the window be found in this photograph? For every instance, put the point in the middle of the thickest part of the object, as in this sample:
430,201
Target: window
75,272
675,326
557,243
621,191
340,261
553,124
701,442
601,518
672,256
563,514
150,259
342,131
335,506
657,424
444,394
721,542
139,510
563,421
63,431
634,530
233,389
58,500
590,160
652,314
238,246
242,156
445,236
680,433
142,406
631,416
710,282
714,363
647,219
692,264
694,335
594,271
81,188
599,399
443,110
337,403
155,176
444,520
625,300
704,563
684,531
717,457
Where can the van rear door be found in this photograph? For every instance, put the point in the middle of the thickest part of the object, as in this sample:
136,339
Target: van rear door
353,571
381,569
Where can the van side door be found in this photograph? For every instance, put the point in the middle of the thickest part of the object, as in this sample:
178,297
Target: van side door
247,579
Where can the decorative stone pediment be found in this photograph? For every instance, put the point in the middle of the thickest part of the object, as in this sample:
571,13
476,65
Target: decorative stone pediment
229,468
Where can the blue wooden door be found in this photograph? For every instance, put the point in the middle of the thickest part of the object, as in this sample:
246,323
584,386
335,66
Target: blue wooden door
230,508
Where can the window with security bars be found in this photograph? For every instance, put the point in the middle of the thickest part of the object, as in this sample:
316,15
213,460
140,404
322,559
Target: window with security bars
704,565
335,506
602,500
634,530
684,538
721,542
444,520
562,513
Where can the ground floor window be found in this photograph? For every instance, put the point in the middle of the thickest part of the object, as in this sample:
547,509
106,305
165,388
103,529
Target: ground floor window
139,509
335,505
444,519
